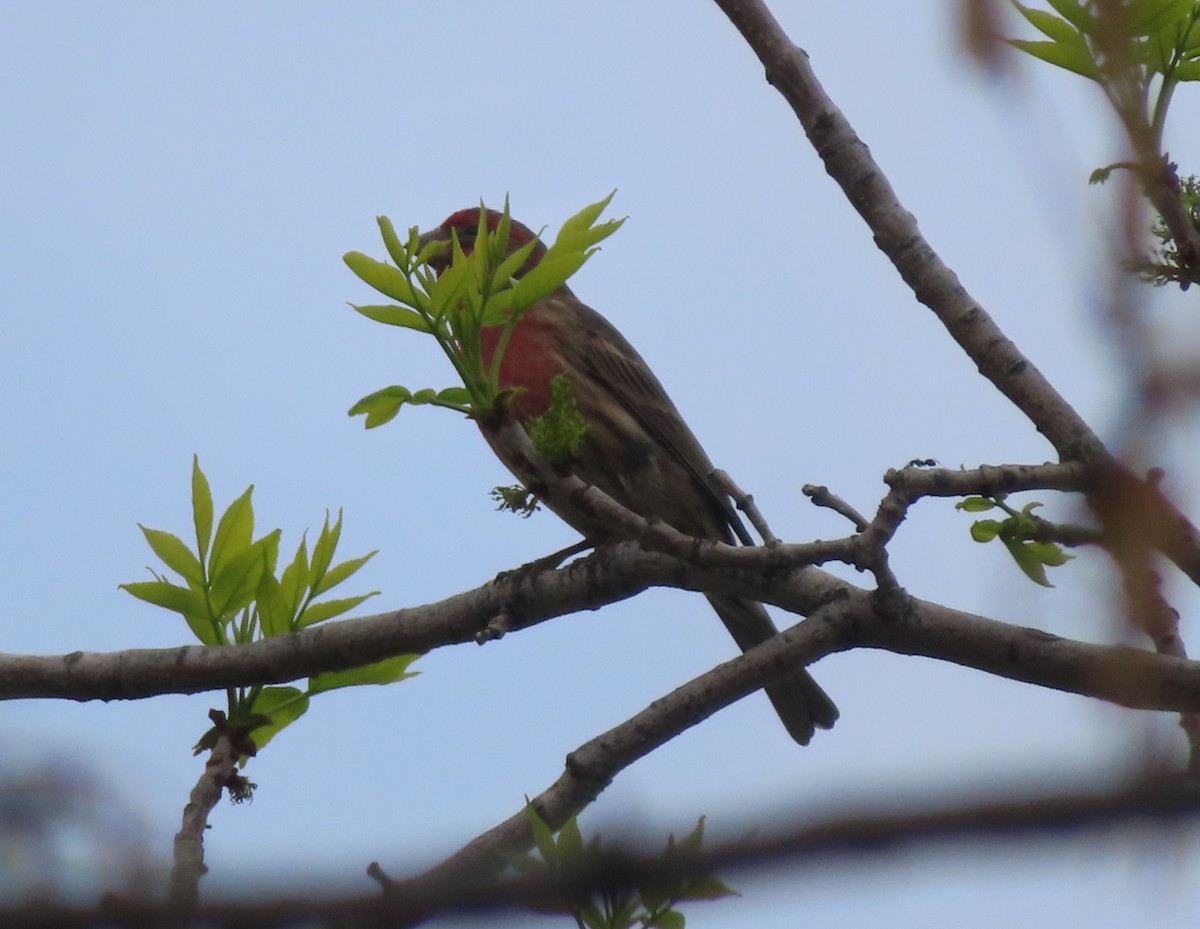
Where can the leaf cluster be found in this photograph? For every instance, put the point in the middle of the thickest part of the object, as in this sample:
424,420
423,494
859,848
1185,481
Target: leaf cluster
1138,52
1104,41
1021,533
651,904
474,289
228,594
515,498
556,434
1166,264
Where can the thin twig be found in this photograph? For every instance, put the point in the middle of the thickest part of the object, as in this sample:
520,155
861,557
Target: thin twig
189,865
745,502
821,495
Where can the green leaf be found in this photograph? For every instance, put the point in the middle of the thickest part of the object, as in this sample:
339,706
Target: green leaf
1188,71
269,544
450,285
654,897
1158,51
693,840
975,504
381,406
458,396
1147,16
579,230
233,533
707,888
543,838
591,915
429,251
495,239
234,586
499,308
523,863
391,242
293,585
1049,553
624,909
340,573
274,617
985,530
1070,57
323,550
327,609
202,508
514,262
283,705
1191,41
165,594
1074,13
387,671
667,919
393,315
174,554
1049,25
570,840
1027,561
549,275
189,603
383,277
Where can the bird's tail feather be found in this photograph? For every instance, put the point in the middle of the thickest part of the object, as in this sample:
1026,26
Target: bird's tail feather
799,700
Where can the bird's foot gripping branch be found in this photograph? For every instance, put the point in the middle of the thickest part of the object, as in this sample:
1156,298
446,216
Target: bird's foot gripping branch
468,289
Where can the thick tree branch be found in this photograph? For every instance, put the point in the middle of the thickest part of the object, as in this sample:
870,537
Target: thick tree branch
1123,675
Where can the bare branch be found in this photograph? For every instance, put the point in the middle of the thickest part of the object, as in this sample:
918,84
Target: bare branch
821,495
189,864
1128,676
848,161
745,502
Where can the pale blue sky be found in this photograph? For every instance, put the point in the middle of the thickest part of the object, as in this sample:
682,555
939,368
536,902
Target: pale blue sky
177,186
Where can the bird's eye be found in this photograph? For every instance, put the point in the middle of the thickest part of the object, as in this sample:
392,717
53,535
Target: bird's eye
470,231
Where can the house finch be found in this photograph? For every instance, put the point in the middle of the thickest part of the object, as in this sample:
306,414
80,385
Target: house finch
637,448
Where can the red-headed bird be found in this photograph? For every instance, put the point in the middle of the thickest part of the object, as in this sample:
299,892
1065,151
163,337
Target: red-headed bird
637,448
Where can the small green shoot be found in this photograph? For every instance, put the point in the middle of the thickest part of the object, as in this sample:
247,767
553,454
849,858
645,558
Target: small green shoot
228,593
1020,533
654,904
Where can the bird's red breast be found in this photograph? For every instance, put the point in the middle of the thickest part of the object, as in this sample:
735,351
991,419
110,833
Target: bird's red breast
531,360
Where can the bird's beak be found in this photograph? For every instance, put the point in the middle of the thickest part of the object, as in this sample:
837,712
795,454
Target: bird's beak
432,235
441,261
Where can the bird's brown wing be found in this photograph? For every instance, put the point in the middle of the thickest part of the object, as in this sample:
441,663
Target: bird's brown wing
614,363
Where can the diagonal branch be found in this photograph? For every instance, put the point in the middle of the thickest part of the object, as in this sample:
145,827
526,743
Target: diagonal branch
848,161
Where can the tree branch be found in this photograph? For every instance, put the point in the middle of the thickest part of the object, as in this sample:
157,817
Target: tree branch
848,161
1127,676
189,864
